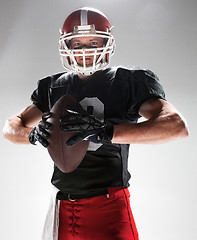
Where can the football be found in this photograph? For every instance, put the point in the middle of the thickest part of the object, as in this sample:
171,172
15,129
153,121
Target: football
66,158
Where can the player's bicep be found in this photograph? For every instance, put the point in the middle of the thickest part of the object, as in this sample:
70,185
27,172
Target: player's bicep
30,116
155,107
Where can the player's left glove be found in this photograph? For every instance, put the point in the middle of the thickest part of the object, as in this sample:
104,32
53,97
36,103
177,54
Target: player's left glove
87,126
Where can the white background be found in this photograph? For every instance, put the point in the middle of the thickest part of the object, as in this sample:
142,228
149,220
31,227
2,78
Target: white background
157,34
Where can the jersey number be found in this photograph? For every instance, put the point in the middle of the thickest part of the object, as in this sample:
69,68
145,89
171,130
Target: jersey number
95,107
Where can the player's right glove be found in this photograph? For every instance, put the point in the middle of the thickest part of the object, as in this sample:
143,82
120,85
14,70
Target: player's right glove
40,132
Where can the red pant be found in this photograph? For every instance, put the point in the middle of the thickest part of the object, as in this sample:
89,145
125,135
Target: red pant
98,218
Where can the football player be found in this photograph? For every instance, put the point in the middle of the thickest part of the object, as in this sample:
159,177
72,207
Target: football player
92,202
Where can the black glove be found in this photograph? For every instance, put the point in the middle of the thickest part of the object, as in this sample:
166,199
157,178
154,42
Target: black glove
88,126
40,133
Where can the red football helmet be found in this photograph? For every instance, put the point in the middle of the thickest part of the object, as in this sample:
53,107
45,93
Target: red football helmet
86,22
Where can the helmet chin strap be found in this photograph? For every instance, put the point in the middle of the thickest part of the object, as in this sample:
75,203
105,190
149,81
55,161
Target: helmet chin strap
87,71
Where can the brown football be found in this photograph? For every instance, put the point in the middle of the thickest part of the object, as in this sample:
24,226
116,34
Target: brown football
66,158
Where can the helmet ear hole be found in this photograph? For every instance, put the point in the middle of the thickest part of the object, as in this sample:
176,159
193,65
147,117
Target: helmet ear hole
68,43
105,41
107,57
68,59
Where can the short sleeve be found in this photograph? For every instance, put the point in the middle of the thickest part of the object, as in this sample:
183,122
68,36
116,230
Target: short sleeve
144,84
39,96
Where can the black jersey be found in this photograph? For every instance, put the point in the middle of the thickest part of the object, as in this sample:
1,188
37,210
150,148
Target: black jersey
115,95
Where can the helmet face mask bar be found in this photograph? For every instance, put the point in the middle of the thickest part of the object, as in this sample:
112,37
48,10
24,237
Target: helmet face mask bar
100,56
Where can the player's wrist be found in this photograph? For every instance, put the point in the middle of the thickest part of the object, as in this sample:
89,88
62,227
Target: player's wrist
107,133
31,136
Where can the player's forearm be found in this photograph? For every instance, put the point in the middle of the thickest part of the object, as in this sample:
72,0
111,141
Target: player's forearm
153,131
15,131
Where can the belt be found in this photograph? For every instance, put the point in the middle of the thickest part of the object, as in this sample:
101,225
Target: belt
73,197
